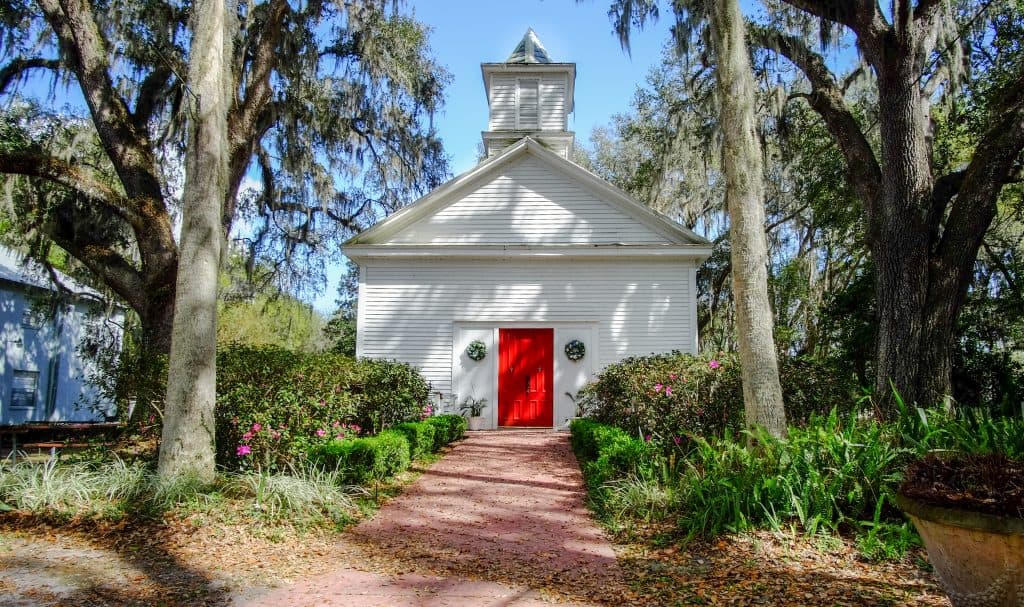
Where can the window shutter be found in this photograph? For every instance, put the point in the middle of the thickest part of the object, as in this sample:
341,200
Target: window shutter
529,108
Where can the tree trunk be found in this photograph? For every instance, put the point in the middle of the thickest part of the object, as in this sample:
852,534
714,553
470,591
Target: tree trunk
741,156
187,447
900,233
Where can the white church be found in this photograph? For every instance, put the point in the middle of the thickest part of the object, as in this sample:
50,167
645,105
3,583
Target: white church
522,278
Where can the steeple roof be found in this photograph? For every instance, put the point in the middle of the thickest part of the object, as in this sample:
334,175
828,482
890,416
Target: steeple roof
529,50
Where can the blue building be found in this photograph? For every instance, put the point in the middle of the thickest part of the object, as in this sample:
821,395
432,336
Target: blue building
51,338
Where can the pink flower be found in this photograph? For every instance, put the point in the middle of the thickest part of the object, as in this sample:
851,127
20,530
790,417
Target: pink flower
671,375
657,387
243,450
668,390
257,427
714,364
647,438
247,436
339,436
275,435
321,432
356,428
336,424
677,439
322,402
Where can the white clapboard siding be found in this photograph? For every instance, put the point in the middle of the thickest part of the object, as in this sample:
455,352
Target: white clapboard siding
553,103
407,308
529,202
503,103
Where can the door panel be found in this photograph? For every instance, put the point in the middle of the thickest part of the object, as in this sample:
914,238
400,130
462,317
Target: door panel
525,378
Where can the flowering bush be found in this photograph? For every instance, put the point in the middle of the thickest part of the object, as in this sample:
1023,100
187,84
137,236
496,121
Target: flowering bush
670,396
274,406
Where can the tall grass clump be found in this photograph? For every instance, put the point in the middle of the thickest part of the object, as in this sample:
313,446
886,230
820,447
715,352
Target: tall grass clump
63,490
303,496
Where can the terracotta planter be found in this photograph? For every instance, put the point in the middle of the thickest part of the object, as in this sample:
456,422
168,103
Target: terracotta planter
979,557
476,423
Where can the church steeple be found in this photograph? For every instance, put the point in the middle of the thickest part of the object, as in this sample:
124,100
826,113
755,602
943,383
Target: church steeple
529,95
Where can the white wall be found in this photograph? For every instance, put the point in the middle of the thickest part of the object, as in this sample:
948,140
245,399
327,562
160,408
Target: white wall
425,312
529,203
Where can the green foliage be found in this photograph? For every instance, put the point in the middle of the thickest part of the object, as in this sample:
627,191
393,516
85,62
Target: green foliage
832,474
367,459
672,396
273,405
252,310
112,489
607,453
375,458
420,436
447,428
61,490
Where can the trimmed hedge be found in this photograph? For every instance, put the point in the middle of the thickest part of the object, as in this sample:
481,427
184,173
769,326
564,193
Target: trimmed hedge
447,428
375,458
420,436
371,458
607,453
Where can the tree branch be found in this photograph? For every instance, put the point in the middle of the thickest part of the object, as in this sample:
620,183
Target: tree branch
861,16
72,232
152,89
74,178
17,68
990,168
826,98
84,51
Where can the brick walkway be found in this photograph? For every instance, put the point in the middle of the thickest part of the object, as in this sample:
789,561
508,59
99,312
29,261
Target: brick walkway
500,520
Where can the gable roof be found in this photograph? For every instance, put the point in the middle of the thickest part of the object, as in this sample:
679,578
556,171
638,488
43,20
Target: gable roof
673,234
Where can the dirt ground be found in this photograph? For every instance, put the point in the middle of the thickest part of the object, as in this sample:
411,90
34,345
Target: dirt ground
183,564
204,560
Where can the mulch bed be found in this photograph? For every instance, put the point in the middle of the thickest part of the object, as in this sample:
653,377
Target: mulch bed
993,484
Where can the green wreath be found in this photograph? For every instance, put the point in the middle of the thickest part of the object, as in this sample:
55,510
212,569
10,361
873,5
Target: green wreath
574,350
476,350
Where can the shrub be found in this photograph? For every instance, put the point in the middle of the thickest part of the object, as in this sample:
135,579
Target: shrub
420,436
608,454
447,428
361,460
671,396
274,405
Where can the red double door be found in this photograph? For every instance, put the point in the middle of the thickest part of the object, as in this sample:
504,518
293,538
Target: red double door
525,378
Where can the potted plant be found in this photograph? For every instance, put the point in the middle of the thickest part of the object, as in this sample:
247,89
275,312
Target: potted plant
473,409
969,510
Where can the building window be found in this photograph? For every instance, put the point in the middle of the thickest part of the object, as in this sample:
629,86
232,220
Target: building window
23,389
35,316
528,115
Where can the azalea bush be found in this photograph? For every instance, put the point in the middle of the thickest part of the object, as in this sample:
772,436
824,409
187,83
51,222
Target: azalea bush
274,405
668,397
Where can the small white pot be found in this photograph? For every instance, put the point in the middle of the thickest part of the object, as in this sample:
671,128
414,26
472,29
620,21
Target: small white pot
476,423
